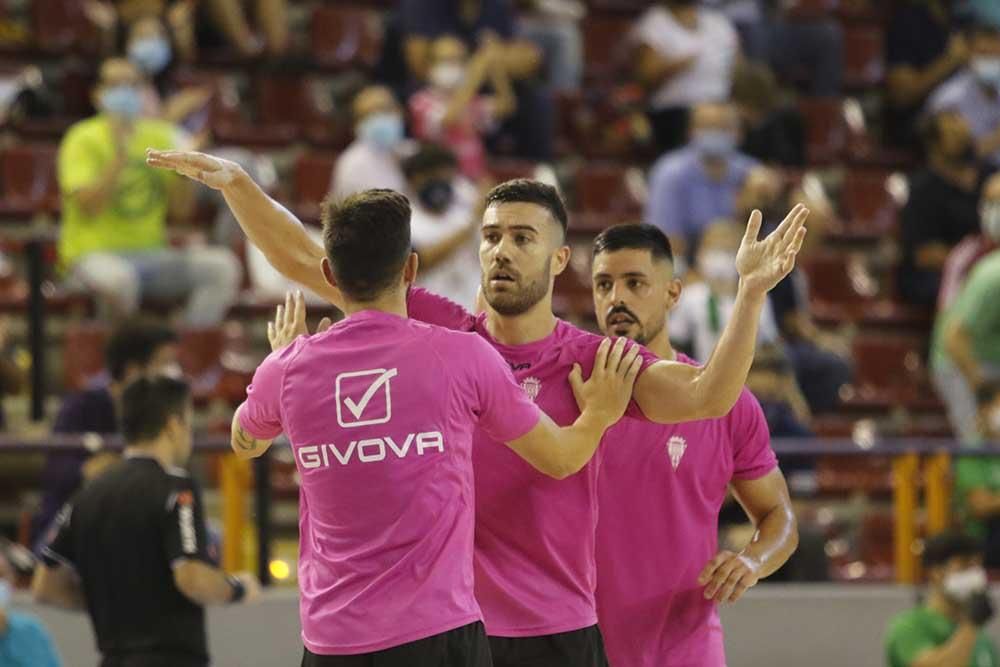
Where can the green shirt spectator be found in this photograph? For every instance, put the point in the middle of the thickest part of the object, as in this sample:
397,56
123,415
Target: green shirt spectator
915,631
972,473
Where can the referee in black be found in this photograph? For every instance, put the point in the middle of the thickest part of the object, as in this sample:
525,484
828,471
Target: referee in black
130,548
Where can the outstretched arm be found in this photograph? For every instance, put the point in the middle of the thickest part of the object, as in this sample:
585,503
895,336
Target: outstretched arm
670,392
269,225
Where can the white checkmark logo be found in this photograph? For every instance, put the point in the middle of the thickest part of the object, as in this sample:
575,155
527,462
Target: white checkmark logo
380,378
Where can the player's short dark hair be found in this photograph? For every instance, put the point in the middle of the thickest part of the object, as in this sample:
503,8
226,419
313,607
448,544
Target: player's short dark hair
135,342
429,157
148,403
367,240
941,548
529,191
634,237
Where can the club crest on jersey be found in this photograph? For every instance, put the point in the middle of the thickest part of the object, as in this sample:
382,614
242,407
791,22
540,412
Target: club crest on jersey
676,447
531,387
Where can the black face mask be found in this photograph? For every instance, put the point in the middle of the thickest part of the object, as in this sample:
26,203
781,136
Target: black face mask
967,155
436,194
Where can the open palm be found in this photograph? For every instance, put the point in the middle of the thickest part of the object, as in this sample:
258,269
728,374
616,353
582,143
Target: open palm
207,169
763,263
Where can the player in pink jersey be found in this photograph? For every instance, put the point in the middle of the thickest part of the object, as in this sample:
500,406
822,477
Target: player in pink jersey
659,576
535,562
380,411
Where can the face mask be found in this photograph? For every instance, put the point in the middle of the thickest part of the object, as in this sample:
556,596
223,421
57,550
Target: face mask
124,101
987,69
384,130
960,586
447,75
4,594
714,143
151,54
436,194
991,221
718,266
173,370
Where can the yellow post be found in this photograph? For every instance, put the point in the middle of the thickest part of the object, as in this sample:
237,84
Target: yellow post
937,477
234,476
904,492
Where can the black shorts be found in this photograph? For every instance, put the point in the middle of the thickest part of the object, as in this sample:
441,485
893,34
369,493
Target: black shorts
466,646
154,660
577,648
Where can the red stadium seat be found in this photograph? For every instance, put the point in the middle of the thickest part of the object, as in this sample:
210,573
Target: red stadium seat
313,172
604,43
345,36
851,474
28,173
83,353
864,55
601,188
890,369
284,100
826,129
867,202
61,26
507,169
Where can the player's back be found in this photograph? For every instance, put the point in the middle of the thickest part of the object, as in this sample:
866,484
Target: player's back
380,412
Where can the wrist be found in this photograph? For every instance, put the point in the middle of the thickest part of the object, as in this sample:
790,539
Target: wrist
750,292
594,420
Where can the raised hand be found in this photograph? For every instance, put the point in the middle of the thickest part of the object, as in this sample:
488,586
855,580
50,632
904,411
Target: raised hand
290,322
207,169
605,395
763,263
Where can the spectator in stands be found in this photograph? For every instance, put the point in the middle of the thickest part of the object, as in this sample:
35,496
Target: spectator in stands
149,49
113,19
772,380
942,208
977,482
973,247
451,111
947,628
113,237
476,22
12,376
705,307
135,349
554,27
24,641
230,18
692,187
444,224
821,361
923,49
975,91
965,349
372,159
773,131
685,58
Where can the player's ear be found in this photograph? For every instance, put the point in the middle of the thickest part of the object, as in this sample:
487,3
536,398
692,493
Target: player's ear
410,268
673,293
328,272
560,259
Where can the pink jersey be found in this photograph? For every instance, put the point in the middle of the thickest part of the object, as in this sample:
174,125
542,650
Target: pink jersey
660,491
535,561
380,411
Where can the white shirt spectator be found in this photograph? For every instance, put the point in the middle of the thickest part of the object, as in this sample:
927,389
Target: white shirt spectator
714,43
364,167
692,321
458,276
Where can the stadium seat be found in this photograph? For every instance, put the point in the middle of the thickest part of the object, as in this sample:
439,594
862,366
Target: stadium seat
868,204
344,37
83,353
840,475
826,129
28,173
507,169
890,369
604,41
601,188
864,55
313,172
61,26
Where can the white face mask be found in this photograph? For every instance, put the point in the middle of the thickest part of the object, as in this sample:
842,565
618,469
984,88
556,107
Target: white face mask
960,586
447,75
5,594
718,266
990,221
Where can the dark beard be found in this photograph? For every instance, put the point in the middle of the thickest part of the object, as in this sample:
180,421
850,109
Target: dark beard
513,303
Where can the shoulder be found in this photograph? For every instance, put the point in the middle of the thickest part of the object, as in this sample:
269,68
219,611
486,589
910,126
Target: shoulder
904,622
744,163
987,269
716,22
956,89
161,130
672,165
84,128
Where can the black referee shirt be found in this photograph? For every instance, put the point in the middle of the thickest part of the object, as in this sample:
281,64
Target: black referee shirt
122,533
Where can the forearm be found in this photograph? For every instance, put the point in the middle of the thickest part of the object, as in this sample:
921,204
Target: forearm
203,584
505,100
94,198
280,236
775,540
959,349
560,451
244,445
431,256
956,652
58,588
984,504
909,85
461,98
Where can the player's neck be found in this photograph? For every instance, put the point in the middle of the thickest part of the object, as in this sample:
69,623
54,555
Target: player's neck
158,450
661,347
936,601
528,327
394,304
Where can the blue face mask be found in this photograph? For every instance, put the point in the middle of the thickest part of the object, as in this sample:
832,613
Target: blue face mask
384,130
4,594
714,143
151,54
124,101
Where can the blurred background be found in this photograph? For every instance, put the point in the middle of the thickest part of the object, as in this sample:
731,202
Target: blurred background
879,359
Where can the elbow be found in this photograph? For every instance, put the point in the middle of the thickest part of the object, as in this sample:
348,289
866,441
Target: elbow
560,470
189,580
